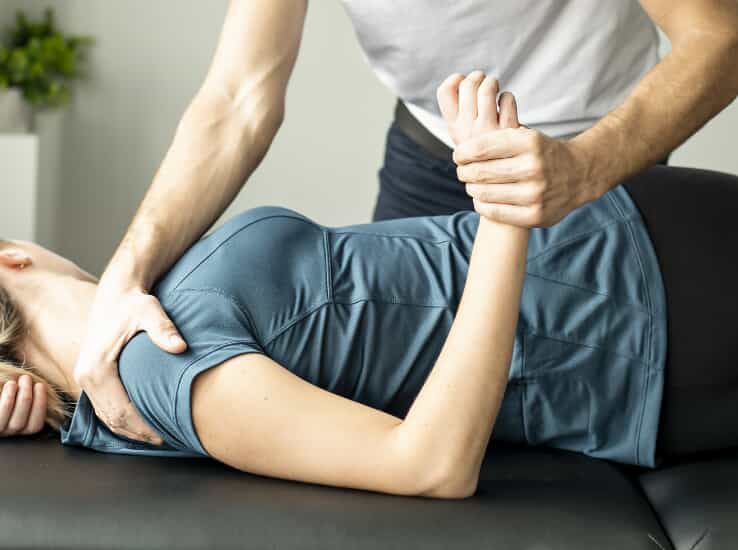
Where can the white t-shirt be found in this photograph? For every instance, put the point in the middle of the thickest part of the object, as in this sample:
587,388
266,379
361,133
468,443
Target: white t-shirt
568,62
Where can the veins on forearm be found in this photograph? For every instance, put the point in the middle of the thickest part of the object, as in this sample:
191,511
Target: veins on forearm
666,107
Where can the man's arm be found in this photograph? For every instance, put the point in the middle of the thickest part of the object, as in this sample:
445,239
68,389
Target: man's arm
696,80
222,137
690,85
220,140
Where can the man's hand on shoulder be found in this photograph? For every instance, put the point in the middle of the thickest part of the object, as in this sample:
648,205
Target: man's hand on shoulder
117,314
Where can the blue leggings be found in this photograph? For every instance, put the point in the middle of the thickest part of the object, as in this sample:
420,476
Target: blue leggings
691,217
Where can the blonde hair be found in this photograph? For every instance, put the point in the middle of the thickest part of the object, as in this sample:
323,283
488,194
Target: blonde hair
11,333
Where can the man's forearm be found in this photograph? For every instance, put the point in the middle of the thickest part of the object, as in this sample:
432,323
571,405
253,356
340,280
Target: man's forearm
695,81
215,149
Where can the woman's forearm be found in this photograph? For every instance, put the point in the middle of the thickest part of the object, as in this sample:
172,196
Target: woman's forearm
213,152
450,422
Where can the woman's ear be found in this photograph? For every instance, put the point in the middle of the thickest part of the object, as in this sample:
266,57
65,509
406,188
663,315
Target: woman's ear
14,258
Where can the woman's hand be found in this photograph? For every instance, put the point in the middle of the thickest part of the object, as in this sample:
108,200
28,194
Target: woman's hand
117,314
22,407
519,176
469,107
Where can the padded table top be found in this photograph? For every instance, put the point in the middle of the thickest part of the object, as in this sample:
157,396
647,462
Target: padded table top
697,500
64,497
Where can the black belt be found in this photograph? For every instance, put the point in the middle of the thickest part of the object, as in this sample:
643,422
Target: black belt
411,126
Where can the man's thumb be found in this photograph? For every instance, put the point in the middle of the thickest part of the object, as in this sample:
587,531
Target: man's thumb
162,331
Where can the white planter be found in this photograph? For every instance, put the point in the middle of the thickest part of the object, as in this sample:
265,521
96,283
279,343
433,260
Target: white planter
30,181
18,186
15,113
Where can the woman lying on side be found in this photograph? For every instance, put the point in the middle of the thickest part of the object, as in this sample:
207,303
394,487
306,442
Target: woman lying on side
376,356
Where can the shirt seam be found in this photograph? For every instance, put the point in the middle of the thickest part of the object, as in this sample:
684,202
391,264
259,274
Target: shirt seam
223,294
236,232
298,318
649,365
634,305
389,236
576,237
592,346
328,267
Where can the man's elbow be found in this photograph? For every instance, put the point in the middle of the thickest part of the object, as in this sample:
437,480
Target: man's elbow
253,109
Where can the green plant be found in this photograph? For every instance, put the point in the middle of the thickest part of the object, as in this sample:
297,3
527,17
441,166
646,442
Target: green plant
42,62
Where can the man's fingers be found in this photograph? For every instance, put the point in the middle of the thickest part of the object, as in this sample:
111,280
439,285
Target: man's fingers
487,101
38,410
448,97
160,328
119,414
508,111
496,144
504,170
522,216
7,402
468,98
518,194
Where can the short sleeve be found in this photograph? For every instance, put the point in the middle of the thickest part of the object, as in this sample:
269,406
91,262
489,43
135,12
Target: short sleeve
216,328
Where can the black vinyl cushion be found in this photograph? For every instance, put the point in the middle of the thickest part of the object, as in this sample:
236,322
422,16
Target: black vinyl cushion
696,500
55,496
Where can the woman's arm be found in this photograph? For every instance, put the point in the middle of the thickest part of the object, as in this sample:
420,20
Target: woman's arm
222,137
452,418
255,415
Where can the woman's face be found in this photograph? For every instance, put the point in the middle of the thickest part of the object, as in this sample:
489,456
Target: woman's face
42,259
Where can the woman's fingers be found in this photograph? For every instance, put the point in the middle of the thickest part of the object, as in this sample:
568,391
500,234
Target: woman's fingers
448,97
22,406
469,106
38,410
487,102
508,111
7,402
468,90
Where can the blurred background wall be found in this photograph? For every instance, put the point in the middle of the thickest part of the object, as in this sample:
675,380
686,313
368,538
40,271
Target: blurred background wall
149,60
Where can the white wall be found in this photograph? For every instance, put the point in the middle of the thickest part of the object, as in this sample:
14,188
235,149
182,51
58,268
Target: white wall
149,60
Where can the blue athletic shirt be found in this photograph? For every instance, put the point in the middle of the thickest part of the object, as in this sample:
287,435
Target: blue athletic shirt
363,311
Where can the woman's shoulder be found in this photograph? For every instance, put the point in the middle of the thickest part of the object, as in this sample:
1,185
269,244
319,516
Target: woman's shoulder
258,214
245,235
